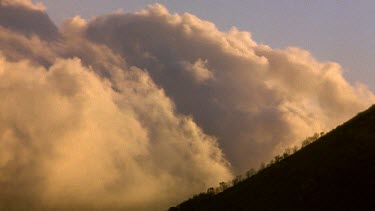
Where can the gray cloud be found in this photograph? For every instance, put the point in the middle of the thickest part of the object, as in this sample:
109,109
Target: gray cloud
131,111
27,18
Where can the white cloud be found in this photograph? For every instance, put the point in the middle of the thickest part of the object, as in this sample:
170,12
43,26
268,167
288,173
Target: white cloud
70,137
198,71
113,113
261,99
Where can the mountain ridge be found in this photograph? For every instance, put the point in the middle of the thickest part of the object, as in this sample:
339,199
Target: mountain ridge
336,172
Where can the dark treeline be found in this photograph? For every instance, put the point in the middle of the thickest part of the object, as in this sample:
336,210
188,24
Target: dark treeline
211,191
333,171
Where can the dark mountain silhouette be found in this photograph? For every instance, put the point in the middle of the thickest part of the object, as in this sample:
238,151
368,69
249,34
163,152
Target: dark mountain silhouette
336,172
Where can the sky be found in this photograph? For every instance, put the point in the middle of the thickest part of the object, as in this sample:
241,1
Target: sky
340,31
141,110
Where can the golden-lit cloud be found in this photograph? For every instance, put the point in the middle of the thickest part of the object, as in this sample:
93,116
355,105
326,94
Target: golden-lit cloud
23,3
135,111
255,99
79,144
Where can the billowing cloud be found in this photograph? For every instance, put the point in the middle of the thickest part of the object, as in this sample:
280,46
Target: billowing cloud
255,99
135,111
79,129
77,143
23,3
25,17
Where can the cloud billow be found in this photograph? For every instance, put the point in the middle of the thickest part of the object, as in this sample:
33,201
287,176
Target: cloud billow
137,111
256,100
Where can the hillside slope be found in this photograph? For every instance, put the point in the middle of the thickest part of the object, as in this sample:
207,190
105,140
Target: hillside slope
336,172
